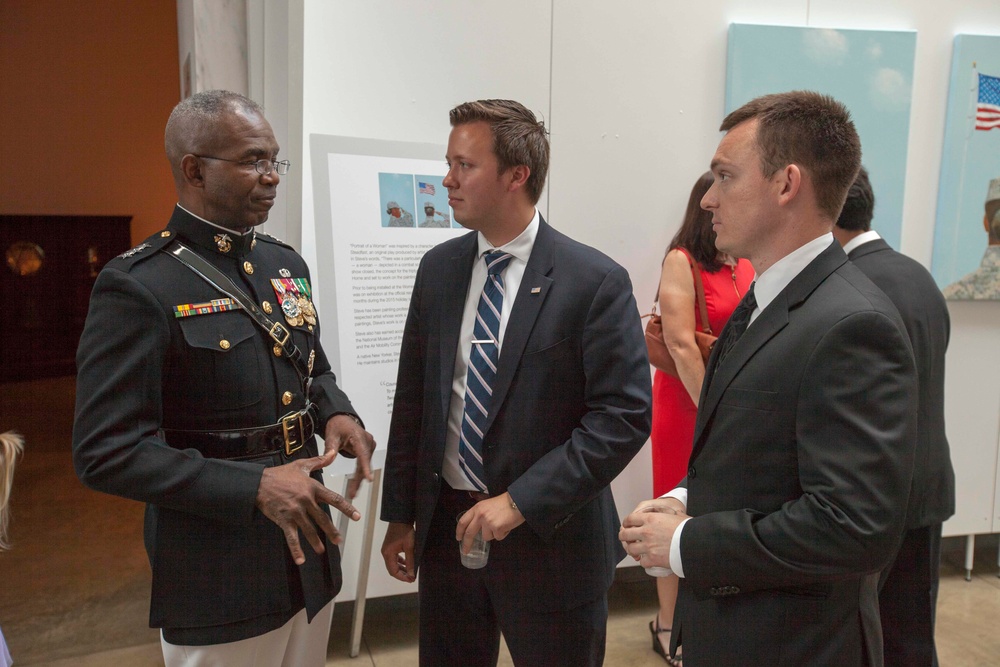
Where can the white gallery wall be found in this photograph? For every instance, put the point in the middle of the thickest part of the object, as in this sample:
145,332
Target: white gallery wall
633,94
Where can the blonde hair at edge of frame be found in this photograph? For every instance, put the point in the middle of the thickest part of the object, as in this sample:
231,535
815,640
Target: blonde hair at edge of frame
11,446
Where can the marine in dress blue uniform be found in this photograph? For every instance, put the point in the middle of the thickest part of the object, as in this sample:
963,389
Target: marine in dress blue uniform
185,403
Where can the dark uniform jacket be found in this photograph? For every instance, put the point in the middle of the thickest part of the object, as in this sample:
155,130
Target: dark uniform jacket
221,570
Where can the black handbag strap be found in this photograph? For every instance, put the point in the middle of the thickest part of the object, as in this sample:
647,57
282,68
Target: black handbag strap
276,331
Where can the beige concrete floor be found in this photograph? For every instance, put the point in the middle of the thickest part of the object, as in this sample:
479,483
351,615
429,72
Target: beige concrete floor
968,629
75,588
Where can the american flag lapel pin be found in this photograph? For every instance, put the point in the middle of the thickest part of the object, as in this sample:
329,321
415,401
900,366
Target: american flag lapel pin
536,290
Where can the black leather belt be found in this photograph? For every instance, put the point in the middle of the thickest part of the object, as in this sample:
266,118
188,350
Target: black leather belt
286,437
462,493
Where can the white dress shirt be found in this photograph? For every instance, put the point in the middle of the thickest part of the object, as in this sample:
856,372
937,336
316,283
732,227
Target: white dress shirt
766,287
520,248
860,239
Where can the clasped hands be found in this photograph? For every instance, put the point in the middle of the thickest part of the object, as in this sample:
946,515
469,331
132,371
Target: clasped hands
647,532
289,497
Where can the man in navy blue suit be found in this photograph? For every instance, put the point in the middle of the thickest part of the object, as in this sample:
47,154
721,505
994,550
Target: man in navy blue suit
522,393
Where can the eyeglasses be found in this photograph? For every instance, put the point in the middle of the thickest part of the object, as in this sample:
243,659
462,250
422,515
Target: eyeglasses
263,166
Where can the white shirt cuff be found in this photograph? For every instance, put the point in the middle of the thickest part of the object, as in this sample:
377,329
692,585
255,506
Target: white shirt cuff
679,493
675,549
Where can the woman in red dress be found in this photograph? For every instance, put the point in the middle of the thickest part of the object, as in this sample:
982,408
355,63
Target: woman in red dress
675,399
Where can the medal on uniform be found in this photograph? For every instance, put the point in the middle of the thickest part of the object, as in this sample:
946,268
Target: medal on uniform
307,310
284,273
290,307
223,242
294,294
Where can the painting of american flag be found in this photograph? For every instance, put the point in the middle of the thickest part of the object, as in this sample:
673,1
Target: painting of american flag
988,107
426,188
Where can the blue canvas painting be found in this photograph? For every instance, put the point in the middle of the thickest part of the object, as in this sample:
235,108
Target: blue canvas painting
966,259
870,71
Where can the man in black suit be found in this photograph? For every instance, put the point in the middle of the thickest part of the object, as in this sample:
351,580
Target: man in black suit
522,393
803,448
909,586
186,403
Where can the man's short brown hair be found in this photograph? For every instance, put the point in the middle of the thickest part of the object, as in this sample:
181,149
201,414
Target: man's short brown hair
518,137
810,130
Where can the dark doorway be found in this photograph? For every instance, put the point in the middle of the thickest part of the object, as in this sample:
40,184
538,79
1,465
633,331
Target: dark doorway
50,265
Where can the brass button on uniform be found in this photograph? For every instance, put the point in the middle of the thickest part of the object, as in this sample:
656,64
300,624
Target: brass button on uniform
277,350
286,398
165,233
224,344
248,267
267,307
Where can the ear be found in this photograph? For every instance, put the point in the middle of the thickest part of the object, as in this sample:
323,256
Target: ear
518,177
788,182
191,169
986,223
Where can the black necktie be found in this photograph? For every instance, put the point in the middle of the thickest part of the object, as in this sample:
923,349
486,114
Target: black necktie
738,323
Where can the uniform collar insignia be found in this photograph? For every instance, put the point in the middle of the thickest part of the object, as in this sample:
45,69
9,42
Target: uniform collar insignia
223,242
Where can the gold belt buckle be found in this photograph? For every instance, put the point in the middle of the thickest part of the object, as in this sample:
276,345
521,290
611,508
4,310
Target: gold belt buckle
279,334
294,441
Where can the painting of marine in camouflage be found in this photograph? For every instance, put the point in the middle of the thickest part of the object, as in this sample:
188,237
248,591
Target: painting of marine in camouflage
984,281
966,260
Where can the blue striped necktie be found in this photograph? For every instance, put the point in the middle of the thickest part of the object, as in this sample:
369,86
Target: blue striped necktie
482,369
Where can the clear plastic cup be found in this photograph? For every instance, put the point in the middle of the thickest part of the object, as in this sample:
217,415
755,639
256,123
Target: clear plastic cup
478,555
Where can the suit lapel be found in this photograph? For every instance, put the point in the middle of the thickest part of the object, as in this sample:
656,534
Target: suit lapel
771,320
527,306
454,293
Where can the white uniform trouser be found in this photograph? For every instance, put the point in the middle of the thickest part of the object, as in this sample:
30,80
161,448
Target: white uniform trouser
296,643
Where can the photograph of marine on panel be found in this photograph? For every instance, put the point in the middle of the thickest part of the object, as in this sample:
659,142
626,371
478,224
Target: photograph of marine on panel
870,71
966,261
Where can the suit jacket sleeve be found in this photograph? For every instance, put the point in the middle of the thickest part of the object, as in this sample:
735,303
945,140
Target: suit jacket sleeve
616,413
853,419
119,410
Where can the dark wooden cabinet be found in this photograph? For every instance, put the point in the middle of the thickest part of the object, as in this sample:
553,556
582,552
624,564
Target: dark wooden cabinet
50,263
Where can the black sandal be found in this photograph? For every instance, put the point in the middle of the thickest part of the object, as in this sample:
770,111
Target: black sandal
656,631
